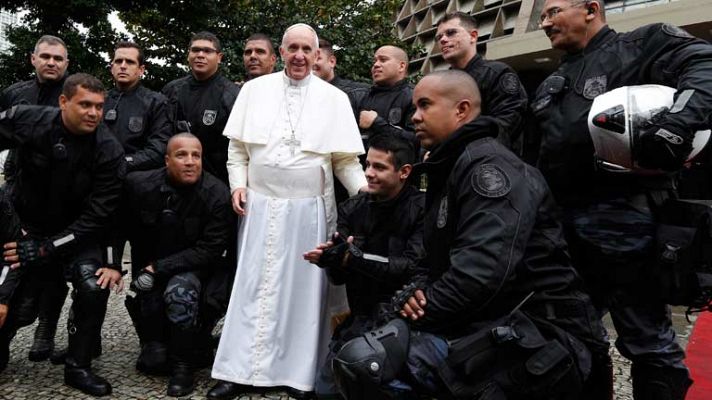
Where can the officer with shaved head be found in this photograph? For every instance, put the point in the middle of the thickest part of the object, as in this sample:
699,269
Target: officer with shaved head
500,312
387,107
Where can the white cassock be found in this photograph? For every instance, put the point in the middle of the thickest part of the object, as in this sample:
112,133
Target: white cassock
285,138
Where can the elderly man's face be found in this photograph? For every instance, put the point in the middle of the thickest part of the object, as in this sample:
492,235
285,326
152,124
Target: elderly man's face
184,164
299,52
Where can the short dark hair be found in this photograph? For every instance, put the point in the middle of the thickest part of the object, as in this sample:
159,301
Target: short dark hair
263,37
466,20
205,35
86,81
326,46
402,150
51,40
125,44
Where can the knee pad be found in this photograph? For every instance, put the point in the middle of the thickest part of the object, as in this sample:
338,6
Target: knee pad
85,275
182,299
365,364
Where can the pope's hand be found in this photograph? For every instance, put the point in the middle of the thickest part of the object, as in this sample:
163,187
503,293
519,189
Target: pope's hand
239,198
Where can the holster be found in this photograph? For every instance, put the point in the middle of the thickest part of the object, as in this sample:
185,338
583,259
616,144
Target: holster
511,355
683,268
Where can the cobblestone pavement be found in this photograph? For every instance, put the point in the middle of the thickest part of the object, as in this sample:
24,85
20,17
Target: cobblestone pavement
25,380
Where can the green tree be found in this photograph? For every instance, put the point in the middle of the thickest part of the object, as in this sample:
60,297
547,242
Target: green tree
164,27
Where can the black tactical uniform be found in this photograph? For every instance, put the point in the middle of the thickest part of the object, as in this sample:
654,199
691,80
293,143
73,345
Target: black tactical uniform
492,242
66,190
184,233
53,289
394,105
203,107
503,97
139,119
391,230
609,218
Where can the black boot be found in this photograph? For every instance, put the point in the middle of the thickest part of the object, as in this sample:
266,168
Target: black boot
153,359
5,338
181,383
86,381
659,383
299,394
50,308
224,390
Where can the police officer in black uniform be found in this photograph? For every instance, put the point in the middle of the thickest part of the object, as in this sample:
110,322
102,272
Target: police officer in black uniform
180,220
500,312
137,115
387,107
50,62
324,68
200,103
384,226
609,218
70,172
258,57
503,96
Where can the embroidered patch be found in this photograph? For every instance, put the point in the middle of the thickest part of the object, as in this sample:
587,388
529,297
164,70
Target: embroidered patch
595,86
209,117
394,116
135,124
509,83
491,181
442,213
676,31
669,136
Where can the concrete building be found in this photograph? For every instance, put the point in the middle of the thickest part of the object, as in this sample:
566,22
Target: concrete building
6,19
509,31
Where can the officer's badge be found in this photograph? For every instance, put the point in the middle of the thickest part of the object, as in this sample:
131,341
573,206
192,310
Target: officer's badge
209,117
490,180
595,86
135,124
676,31
394,116
442,213
509,83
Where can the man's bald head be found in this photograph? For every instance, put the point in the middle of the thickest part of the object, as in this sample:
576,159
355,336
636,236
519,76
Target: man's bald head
444,102
390,65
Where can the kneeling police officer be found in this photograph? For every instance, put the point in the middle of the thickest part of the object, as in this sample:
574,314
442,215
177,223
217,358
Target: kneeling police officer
180,218
70,171
500,314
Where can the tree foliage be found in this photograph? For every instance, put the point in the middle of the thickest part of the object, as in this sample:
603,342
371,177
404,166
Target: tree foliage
164,27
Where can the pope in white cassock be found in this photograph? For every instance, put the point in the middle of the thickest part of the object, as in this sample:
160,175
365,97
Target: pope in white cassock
288,131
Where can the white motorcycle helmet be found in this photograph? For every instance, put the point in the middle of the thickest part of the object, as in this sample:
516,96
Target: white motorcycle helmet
615,118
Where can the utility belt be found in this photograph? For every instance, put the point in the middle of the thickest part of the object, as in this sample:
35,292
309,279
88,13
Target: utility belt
683,254
518,356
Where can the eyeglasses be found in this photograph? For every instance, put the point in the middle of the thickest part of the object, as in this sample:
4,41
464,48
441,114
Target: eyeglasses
448,32
206,50
552,13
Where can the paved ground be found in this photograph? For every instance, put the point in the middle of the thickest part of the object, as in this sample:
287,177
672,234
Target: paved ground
25,380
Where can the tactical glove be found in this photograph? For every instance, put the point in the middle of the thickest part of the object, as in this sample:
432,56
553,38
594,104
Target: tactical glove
143,282
32,252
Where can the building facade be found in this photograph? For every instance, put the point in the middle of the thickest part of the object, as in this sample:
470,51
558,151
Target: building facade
509,29
6,19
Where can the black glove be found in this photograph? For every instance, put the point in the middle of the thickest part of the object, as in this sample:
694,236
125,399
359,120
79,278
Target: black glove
33,252
333,257
660,146
401,297
143,282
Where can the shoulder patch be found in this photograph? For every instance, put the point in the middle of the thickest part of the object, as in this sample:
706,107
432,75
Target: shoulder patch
489,180
394,115
595,86
509,83
676,31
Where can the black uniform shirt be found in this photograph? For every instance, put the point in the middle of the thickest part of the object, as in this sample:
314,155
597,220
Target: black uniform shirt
394,105
653,54
139,119
67,185
503,96
206,106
